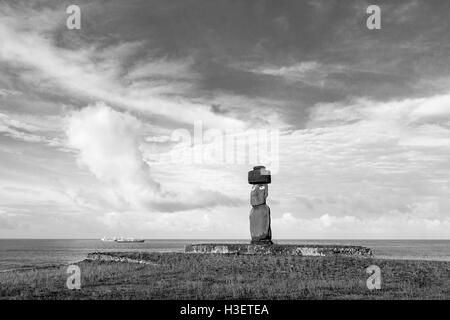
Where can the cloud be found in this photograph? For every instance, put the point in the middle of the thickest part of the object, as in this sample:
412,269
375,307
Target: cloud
17,124
111,220
108,142
25,131
163,68
200,198
109,145
432,109
353,151
8,221
299,71
132,222
368,159
329,226
96,72
6,92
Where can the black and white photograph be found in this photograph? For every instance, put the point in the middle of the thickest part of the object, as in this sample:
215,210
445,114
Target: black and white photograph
224,150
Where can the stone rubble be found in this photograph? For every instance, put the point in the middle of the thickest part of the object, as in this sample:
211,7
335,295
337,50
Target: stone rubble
293,250
104,257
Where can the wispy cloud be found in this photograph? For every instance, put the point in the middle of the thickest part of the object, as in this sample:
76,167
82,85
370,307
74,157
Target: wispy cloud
26,132
95,73
6,92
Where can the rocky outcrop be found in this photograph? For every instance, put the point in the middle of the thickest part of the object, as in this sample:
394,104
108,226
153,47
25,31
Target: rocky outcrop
293,250
105,257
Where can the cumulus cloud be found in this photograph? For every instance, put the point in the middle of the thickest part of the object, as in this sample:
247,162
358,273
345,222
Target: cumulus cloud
109,145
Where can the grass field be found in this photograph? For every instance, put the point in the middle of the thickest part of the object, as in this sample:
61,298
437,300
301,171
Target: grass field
197,276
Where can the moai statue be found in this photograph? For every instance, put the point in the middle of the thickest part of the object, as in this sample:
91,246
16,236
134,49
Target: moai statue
260,230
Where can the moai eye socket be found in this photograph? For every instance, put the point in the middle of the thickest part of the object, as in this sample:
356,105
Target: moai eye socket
262,187
254,187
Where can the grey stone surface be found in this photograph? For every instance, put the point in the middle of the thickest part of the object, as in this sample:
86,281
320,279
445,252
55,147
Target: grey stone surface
259,175
260,230
275,249
260,224
105,257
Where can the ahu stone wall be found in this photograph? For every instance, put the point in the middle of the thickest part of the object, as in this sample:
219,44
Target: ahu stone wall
294,250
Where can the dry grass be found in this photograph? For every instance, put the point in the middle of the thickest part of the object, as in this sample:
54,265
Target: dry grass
196,276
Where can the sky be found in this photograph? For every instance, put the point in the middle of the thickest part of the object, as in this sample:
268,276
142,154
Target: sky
121,127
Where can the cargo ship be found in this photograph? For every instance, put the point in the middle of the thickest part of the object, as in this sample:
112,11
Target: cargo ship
122,240
108,239
129,240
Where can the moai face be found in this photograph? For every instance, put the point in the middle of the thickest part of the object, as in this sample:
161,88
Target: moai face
259,194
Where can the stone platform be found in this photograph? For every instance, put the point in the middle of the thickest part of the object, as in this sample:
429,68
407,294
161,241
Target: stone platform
280,249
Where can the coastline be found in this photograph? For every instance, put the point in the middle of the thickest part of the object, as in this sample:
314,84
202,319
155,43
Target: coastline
230,276
26,253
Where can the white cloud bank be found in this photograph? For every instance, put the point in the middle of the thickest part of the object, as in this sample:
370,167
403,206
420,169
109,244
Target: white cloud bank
394,226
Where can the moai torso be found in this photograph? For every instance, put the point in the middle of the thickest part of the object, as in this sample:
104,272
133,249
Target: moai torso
260,215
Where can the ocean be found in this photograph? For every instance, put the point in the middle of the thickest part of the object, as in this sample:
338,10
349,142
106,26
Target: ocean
26,253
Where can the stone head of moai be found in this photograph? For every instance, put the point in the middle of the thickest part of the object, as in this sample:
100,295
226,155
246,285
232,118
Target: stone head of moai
260,230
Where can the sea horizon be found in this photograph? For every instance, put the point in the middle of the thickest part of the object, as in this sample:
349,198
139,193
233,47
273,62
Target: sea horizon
243,239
